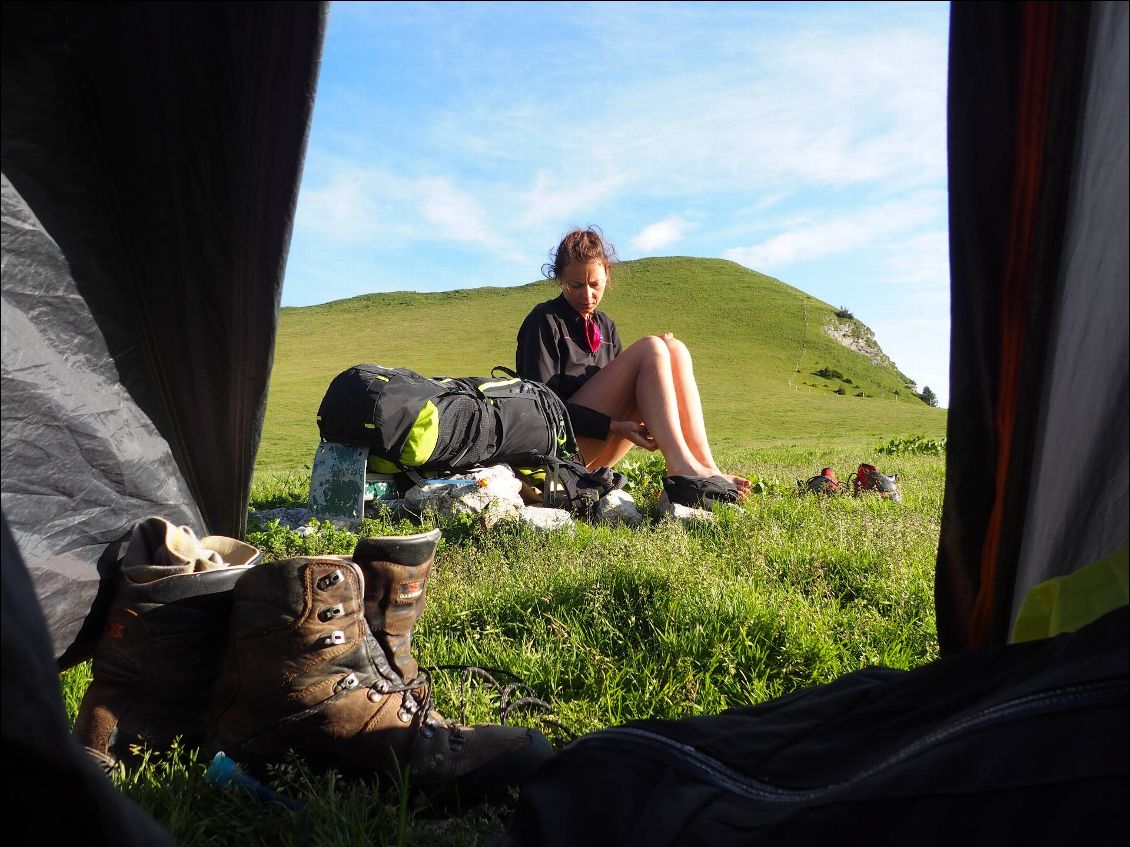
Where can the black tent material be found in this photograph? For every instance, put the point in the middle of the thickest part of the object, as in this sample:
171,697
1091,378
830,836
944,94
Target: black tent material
151,160
151,155
1037,470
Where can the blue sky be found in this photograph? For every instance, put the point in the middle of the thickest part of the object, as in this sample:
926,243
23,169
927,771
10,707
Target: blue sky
452,145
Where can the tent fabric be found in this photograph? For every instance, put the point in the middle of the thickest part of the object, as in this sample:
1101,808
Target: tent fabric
969,749
1037,464
51,765
151,156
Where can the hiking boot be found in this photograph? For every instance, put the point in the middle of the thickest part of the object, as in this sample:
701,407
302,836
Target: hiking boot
395,571
824,483
304,672
161,652
870,478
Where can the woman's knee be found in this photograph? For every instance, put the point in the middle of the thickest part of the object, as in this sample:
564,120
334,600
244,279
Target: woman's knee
675,347
651,347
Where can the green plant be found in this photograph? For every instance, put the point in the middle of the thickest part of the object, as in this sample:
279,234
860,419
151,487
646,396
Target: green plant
915,444
845,314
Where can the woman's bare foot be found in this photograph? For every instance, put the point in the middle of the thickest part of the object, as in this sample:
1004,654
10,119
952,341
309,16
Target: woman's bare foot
740,482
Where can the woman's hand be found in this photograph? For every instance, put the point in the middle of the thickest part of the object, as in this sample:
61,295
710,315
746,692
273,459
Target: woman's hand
635,432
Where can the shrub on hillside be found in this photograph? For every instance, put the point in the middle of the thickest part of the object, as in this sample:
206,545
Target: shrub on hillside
829,373
928,397
845,314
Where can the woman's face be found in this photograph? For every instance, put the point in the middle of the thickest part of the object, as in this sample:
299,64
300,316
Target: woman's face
583,285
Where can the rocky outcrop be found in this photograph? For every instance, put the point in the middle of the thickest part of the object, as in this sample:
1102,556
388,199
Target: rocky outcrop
857,336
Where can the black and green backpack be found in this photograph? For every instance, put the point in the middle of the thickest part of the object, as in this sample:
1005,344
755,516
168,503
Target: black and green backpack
414,424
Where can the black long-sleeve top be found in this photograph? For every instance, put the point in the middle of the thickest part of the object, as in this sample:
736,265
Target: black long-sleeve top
552,348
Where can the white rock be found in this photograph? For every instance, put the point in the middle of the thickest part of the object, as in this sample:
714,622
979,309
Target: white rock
544,519
469,493
618,507
682,513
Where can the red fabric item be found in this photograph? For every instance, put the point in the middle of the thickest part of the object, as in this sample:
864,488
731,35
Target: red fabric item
592,333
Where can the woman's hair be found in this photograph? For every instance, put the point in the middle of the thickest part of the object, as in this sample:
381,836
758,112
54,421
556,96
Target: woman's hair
582,246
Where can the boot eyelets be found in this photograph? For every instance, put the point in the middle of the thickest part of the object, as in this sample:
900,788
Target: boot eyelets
335,637
332,612
375,696
426,731
346,684
329,580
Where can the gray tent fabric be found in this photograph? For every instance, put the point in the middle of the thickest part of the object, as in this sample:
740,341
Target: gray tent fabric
53,770
1036,472
1084,403
81,461
151,156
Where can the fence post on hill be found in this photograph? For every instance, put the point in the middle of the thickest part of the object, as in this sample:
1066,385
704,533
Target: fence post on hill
803,344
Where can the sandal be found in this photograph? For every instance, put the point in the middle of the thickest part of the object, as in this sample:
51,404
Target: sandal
699,492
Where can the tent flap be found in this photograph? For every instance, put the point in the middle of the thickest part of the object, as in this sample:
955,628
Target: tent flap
151,159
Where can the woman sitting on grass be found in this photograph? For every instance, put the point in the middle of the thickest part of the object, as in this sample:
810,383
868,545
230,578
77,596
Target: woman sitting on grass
645,396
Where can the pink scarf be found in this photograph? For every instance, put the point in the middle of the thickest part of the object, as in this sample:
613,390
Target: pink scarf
592,334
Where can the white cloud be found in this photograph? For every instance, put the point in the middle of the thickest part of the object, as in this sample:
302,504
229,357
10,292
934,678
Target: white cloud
343,210
558,198
454,215
659,235
919,346
848,231
919,265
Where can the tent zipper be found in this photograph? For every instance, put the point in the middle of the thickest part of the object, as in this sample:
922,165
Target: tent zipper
722,776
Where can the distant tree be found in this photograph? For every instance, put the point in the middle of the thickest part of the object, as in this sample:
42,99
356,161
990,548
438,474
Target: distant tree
928,396
845,313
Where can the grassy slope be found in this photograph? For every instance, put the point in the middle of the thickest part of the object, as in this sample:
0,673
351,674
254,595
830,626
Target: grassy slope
756,341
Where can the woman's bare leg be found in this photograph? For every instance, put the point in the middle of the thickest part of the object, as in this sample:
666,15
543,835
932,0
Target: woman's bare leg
607,453
640,378
690,409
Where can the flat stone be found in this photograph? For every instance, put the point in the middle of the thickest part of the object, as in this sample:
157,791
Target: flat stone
545,519
683,514
618,507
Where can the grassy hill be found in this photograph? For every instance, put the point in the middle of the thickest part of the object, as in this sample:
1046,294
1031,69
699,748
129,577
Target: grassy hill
758,346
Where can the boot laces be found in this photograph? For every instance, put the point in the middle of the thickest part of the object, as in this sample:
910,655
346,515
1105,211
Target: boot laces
512,696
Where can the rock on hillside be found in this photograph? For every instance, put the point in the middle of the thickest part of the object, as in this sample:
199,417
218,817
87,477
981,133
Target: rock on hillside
856,335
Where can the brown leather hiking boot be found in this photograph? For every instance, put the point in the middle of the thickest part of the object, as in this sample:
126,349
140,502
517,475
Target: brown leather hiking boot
161,652
305,673
396,571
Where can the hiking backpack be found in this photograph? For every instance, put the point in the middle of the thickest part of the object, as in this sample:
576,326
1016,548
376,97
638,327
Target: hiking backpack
413,424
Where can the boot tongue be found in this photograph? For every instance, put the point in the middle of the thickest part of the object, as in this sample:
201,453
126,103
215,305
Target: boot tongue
158,549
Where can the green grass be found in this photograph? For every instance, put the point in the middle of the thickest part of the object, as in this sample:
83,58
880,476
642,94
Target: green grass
613,624
757,345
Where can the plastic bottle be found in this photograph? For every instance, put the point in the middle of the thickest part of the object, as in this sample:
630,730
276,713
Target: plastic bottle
226,773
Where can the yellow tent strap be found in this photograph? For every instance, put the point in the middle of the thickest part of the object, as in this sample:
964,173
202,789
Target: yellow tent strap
1066,603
